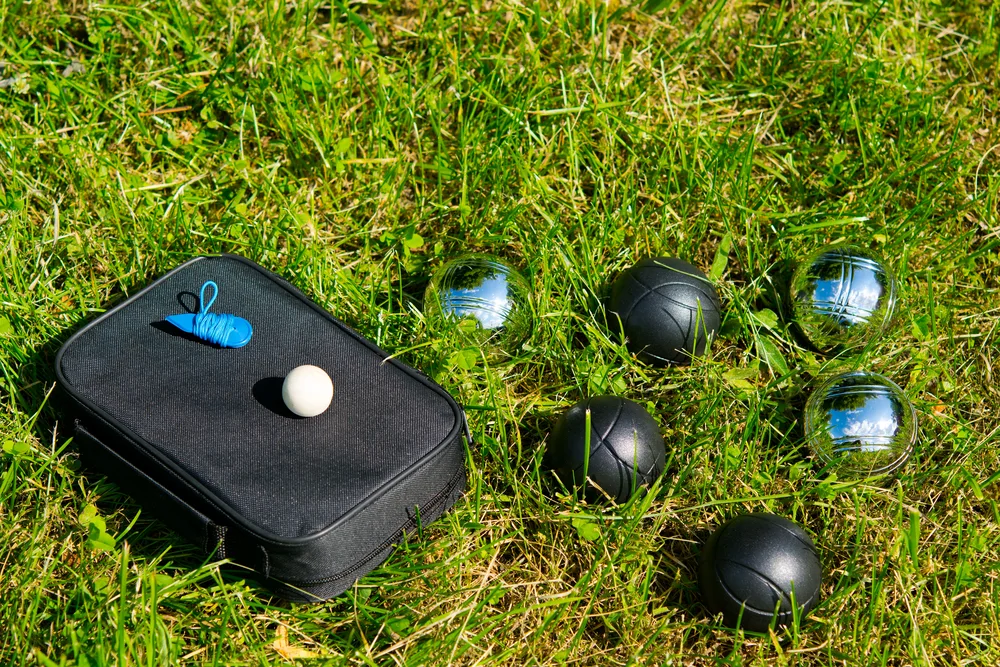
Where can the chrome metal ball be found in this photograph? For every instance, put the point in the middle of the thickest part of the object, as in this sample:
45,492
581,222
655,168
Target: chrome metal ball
480,300
861,424
843,295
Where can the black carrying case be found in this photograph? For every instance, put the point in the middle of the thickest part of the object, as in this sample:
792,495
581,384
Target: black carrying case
199,434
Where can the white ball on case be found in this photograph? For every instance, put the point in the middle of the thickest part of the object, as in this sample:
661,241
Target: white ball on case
307,390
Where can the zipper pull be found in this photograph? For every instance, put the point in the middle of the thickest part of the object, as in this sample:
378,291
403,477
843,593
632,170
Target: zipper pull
468,432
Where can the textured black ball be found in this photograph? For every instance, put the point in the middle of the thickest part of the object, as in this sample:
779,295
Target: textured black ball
655,303
757,560
626,447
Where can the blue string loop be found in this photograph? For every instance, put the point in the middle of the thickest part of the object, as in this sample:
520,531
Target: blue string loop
219,329
212,327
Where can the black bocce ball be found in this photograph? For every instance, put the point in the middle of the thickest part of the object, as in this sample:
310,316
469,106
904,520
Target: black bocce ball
656,305
757,560
626,448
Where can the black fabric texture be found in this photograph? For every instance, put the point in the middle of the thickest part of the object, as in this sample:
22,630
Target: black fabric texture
302,500
352,541
331,585
161,501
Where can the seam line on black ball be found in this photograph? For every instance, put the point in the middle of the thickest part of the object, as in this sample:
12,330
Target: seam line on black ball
654,290
786,597
777,589
666,312
810,547
595,443
614,422
679,327
743,603
770,584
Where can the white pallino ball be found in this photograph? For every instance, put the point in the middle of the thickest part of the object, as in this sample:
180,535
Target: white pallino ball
307,390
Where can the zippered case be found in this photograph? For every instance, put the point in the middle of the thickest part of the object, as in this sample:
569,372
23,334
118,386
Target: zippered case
199,435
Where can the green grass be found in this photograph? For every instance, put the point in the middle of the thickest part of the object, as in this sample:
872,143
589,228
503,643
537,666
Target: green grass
327,141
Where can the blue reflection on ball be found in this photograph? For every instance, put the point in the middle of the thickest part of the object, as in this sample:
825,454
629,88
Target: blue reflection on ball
487,301
861,423
843,296
481,300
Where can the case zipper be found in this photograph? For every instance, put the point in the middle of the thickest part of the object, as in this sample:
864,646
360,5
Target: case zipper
431,506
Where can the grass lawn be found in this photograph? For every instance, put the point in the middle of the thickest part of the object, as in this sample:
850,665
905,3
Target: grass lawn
353,148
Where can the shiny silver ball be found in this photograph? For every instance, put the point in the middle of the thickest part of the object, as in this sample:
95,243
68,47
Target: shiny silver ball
861,424
843,295
481,301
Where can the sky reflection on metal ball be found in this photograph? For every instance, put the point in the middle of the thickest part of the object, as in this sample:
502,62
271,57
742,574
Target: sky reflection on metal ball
861,423
480,299
843,295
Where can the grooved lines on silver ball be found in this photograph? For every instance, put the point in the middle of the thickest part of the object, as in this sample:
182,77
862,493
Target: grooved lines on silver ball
858,389
458,304
843,295
844,302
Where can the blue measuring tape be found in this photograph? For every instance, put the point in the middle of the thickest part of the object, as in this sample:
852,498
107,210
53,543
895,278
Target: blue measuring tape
222,329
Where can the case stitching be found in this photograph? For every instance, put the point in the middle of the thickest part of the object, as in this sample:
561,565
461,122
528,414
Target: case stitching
440,451
266,569
217,534
432,505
